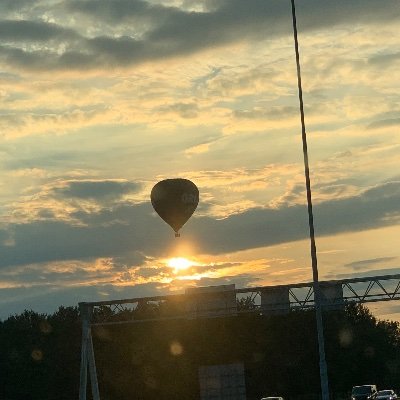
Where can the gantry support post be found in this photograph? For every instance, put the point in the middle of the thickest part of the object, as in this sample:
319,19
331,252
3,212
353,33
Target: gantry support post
87,355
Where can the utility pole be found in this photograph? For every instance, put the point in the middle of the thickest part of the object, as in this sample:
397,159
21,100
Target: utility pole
317,291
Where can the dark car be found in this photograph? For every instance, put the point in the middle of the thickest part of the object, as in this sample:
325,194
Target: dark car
364,392
387,394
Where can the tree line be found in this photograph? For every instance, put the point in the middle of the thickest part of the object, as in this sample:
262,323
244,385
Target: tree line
40,354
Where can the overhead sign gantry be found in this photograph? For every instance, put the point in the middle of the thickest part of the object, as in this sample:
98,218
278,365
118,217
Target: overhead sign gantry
224,301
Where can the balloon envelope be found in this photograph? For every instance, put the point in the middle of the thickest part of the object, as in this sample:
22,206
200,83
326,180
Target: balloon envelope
175,200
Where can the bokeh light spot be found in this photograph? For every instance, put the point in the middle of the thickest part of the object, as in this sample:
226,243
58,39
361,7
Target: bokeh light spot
45,327
176,348
345,337
37,355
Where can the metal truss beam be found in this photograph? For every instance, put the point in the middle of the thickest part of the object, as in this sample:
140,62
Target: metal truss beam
299,296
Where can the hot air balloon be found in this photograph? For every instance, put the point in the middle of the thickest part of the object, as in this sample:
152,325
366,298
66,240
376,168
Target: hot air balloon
175,200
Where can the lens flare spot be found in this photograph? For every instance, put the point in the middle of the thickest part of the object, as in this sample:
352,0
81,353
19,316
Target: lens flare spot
45,327
37,355
345,337
369,352
176,348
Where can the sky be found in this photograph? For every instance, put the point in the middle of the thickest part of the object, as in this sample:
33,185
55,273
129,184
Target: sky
101,99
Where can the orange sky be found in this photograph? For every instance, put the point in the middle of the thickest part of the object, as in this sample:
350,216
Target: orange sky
100,100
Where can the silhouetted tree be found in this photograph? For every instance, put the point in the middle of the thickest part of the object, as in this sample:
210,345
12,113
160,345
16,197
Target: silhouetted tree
40,354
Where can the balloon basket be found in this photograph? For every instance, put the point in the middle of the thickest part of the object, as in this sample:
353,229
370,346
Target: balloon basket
177,234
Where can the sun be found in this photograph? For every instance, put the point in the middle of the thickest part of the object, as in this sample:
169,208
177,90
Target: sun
179,264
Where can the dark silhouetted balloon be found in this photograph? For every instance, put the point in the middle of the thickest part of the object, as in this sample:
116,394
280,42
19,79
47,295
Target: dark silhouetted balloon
175,200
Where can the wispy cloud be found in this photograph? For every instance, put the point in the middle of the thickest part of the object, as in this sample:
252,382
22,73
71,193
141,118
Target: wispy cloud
362,264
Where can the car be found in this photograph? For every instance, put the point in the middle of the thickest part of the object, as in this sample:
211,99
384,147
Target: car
364,392
272,398
387,394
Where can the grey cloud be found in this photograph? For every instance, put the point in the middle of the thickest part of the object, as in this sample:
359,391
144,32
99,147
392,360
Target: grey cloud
292,195
119,10
100,190
128,259
384,59
241,280
365,273
230,16
270,113
47,298
129,227
217,267
38,275
56,158
334,189
14,5
384,123
46,214
377,207
173,31
21,58
356,265
185,110
72,60
317,14
20,120
46,60
111,233
148,272
390,308
275,112
33,31
122,49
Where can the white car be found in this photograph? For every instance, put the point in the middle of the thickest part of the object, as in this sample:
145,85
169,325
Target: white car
272,398
387,394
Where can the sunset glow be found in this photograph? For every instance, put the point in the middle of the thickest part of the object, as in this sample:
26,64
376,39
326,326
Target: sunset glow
100,102
179,264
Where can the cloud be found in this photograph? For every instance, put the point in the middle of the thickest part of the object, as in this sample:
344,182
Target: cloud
241,280
120,10
96,189
357,265
47,298
166,31
365,274
384,59
378,206
384,123
15,5
230,16
184,110
22,30
274,112
126,227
